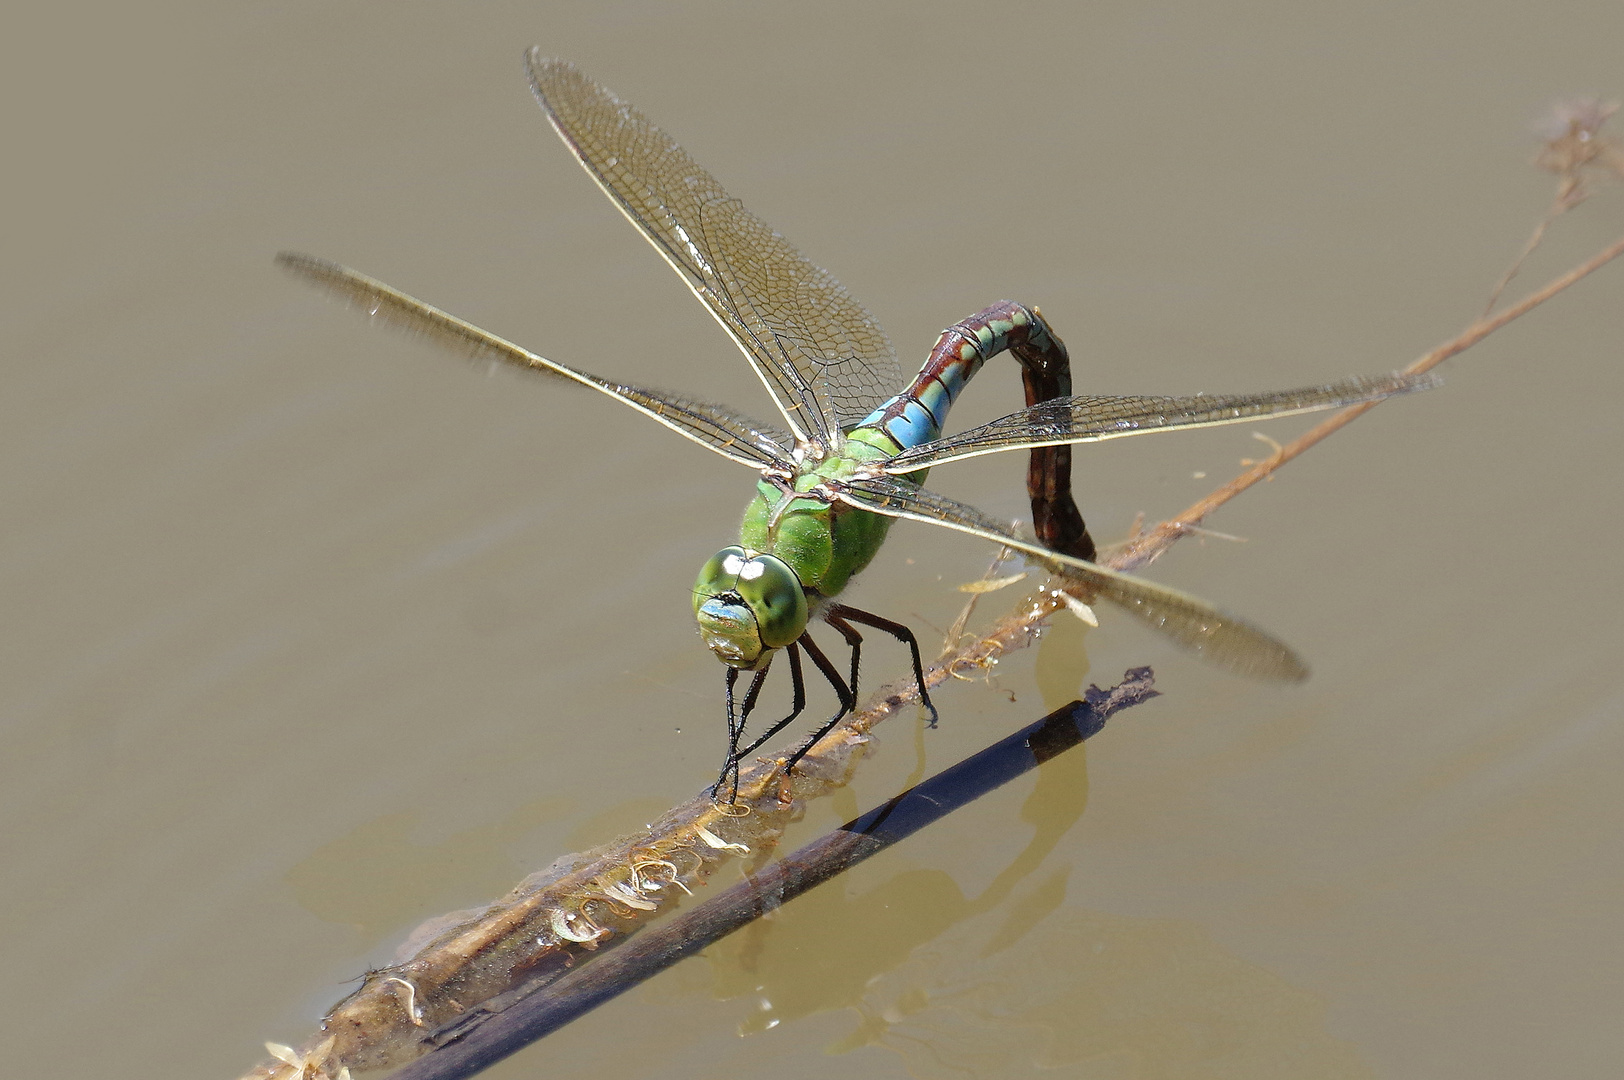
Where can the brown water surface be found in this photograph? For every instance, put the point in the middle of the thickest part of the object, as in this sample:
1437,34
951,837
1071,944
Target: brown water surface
312,633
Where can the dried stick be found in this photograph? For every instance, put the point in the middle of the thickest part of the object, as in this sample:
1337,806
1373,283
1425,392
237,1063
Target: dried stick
1144,549
1575,150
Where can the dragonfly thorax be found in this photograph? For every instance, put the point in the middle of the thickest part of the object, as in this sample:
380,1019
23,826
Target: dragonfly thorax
747,605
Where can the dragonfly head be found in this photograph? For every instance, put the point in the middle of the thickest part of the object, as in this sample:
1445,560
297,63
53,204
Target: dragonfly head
748,605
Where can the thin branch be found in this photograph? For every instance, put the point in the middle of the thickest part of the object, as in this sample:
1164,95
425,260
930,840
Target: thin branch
1146,548
1575,150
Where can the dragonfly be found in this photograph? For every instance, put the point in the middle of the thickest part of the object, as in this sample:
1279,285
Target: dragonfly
852,453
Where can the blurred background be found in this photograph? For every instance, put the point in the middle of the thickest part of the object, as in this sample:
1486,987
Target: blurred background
312,632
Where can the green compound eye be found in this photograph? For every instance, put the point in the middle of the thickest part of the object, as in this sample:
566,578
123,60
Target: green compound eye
719,575
774,593
748,606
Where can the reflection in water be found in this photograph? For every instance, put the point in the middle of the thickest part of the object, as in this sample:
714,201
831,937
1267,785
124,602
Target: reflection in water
1153,998
826,948
964,986
822,951
1062,661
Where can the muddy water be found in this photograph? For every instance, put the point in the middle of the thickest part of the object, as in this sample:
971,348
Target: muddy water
313,633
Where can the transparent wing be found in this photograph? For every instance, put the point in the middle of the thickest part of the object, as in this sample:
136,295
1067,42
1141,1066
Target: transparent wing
1092,419
726,432
824,359
1218,637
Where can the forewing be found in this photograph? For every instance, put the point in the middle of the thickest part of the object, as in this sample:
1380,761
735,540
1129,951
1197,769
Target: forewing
824,359
1218,637
729,434
1092,419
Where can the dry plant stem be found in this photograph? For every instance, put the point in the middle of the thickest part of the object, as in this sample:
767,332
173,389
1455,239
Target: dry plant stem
1569,194
1148,547
557,918
1575,153
1559,207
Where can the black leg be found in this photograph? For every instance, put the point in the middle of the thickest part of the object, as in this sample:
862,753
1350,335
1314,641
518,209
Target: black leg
854,641
902,634
848,700
736,719
845,688
732,732
799,704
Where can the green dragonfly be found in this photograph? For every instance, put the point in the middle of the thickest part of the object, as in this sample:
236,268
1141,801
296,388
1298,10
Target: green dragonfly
854,451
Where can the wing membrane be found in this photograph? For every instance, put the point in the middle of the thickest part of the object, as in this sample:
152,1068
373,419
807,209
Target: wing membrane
1223,639
1092,419
722,430
824,359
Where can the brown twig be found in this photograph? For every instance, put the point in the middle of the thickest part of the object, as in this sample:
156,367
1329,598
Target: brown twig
1574,150
1146,548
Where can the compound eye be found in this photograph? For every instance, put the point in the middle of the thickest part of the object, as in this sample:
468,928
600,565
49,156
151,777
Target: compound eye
719,575
774,594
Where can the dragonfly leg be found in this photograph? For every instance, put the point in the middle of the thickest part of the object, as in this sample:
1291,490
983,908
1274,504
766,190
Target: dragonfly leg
848,699
854,641
898,631
798,706
732,733
736,719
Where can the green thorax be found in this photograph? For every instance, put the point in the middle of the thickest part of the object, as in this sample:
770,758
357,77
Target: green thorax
824,543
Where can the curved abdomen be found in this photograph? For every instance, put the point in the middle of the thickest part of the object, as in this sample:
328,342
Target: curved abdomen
916,415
